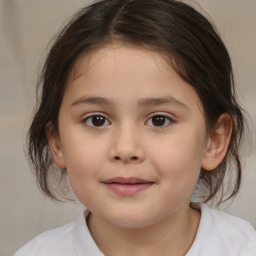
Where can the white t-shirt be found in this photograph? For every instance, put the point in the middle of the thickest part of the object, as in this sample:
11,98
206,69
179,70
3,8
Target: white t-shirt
219,234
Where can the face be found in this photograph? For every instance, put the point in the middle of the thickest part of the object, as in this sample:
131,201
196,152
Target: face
132,136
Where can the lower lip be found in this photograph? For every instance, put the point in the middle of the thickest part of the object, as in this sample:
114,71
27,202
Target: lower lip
126,189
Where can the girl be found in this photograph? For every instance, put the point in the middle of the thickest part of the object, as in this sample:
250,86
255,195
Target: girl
138,109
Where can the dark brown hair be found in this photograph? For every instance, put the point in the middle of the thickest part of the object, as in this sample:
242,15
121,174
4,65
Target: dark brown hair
193,48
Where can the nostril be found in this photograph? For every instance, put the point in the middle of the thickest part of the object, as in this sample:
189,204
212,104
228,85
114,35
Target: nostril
133,158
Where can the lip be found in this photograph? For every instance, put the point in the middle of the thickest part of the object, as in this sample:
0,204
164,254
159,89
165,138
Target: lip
127,186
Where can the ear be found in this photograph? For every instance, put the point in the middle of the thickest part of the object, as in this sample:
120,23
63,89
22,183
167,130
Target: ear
55,146
217,143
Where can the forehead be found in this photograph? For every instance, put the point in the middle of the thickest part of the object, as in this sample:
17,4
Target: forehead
117,53
131,72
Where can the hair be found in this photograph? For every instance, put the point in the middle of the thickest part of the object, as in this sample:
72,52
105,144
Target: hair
193,49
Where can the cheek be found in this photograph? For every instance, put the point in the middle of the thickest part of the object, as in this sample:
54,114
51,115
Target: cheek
178,160
83,165
83,159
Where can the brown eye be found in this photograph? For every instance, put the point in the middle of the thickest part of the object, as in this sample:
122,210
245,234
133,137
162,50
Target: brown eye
159,121
96,121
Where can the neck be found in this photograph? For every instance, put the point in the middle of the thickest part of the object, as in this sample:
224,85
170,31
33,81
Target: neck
173,235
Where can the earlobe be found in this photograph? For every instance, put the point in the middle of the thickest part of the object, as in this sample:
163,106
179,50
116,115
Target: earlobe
218,143
55,146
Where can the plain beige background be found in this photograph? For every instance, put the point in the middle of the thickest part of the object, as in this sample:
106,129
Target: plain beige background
26,27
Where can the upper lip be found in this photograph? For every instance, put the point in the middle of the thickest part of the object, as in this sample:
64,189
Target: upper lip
123,180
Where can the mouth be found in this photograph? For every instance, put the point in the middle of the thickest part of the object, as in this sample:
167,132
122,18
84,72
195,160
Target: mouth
127,186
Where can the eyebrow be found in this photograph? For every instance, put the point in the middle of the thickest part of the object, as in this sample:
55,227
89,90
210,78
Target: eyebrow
162,101
145,102
93,101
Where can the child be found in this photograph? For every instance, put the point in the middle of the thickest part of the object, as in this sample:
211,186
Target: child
138,109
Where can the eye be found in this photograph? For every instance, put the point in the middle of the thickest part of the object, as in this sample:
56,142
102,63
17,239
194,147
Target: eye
159,121
96,121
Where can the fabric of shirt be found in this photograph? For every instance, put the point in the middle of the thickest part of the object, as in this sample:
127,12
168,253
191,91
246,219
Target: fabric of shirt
218,234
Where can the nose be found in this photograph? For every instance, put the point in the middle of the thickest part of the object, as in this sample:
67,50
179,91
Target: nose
126,146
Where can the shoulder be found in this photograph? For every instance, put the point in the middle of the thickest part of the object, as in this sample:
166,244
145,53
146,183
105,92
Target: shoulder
229,225
52,242
220,233
69,240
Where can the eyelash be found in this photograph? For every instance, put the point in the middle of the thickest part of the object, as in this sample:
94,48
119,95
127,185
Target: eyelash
89,120
165,118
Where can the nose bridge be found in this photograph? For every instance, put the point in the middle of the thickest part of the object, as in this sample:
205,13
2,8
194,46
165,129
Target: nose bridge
127,144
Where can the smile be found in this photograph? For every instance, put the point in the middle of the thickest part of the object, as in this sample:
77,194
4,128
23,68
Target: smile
127,186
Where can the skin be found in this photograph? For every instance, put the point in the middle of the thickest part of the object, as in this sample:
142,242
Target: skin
127,86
